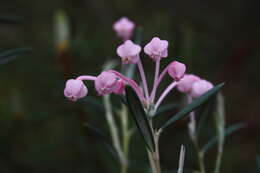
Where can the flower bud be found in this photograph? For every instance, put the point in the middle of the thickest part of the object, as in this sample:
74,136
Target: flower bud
119,87
124,28
105,83
200,87
75,89
129,52
185,84
176,70
157,48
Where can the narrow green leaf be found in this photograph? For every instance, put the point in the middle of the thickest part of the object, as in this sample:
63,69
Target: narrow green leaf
102,138
166,108
10,55
228,131
194,105
203,114
140,118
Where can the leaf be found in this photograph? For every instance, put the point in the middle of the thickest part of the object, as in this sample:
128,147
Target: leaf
167,107
140,118
204,112
10,55
194,105
258,162
102,138
228,131
10,19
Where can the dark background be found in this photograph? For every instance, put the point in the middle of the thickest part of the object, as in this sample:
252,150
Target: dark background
40,131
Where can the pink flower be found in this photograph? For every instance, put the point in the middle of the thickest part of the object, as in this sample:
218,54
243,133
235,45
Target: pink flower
200,87
119,87
129,52
185,84
124,28
105,83
157,48
75,89
176,70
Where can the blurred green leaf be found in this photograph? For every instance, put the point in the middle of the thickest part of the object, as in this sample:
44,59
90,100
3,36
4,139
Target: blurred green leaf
228,131
258,162
194,105
10,55
203,113
140,118
102,138
6,19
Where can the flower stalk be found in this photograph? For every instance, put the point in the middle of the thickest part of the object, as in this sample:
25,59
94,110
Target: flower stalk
157,70
144,82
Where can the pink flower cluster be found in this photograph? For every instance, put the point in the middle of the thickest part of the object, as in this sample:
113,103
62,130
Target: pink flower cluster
112,81
194,86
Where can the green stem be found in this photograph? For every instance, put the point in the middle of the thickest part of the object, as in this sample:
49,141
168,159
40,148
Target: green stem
220,126
154,156
156,153
152,163
201,163
200,155
126,135
113,128
219,158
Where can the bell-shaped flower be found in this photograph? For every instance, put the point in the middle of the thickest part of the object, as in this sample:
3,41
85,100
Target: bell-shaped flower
157,48
129,52
185,84
75,89
105,83
176,70
200,87
124,28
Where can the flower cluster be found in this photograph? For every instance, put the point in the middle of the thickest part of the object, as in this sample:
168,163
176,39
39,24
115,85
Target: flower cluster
112,81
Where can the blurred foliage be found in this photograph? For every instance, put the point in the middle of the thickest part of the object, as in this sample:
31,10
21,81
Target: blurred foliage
40,131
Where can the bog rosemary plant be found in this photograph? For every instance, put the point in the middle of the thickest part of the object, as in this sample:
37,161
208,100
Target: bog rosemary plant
142,100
